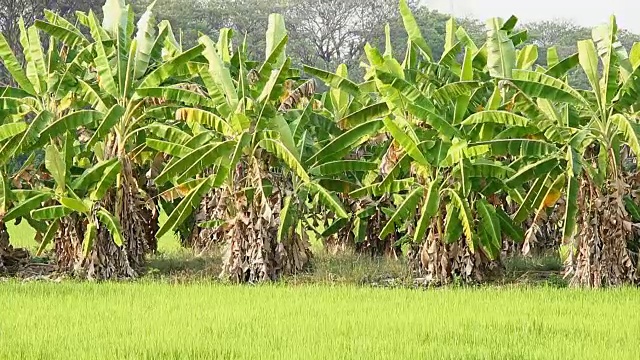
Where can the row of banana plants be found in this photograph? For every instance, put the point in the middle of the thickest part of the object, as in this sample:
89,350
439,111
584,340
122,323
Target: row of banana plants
131,123
454,159
485,146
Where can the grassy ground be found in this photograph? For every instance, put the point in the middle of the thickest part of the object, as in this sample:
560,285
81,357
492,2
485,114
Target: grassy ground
151,320
177,310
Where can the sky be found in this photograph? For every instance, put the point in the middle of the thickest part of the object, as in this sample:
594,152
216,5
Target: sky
583,12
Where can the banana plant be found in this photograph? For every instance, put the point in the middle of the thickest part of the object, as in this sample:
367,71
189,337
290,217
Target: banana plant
9,127
238,141
596,131
82,229
461,169
37,111
347,161
115,75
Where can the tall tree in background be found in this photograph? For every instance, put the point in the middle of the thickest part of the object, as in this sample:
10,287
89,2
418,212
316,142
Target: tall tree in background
327,32
194,18
189,18
30,10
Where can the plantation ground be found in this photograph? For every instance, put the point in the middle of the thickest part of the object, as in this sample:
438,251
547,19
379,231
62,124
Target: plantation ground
338,311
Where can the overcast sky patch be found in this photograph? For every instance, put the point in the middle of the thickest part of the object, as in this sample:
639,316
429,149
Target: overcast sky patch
583,12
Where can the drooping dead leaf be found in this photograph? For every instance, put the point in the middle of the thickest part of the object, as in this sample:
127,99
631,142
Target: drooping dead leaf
552,197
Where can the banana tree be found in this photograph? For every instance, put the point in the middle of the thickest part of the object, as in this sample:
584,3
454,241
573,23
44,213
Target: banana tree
38,110
591,128
240,142
47,100
348,160
15,181
113,76
80,226
6,250
5,247
457,161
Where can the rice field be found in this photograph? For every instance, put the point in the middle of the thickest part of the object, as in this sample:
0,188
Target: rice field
150,320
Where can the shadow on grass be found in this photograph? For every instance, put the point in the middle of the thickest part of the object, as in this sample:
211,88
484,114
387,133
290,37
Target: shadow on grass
544,269
354,269
182,265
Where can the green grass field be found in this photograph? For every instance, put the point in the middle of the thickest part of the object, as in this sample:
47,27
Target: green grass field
208,321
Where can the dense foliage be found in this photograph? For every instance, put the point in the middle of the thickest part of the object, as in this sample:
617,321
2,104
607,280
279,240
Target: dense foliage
449,158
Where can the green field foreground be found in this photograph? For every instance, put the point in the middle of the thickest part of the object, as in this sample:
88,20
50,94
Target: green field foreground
153,320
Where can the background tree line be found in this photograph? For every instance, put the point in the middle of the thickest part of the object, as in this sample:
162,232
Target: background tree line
322,33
